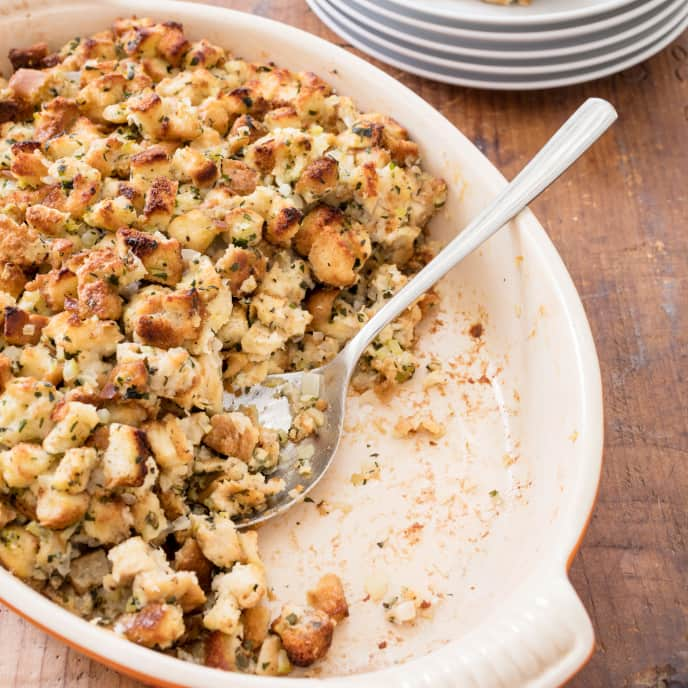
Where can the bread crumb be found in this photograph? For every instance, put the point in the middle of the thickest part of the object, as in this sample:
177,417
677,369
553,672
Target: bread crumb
424,422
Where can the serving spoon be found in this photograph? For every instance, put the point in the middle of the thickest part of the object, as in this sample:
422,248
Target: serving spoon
301,467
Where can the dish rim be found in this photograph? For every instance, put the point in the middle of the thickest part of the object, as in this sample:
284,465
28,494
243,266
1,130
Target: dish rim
149,665
510,20
528,52
494,34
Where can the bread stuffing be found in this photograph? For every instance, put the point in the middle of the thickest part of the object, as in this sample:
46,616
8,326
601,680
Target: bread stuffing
176,224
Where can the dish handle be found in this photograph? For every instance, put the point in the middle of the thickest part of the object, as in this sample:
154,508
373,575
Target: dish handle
539,639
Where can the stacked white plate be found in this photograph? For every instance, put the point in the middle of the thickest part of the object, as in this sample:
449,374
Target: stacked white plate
467,42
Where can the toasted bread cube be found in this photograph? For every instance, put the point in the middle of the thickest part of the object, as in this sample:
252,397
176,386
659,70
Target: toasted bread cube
149,518
108,520
261,342
245,100
282,225
98,297
233,434
201,275
156,625
319,178
55,118
25,409
56,286
161,257
310,100
58,510
20,245
46,220
5,371
219,539
130,558
13,109
224,615
171,447
101,92
164,119
244,269
149,164
38,362
129,412
159,204
393,137
60,250
112,157
190,165
101,273
72,335
146,39
107,265
172,371
158,585
74,470
173,45
18,550
30,85
337,254
125,457
127,380
306,633
317,221
220,650
28,164
31,57
21,328
282,118
99,47
164,319
194,230
245,129
204,54
75,421
12,279
213,114
256,622
111,214
244,227
23,463
190,557
328,596
245,582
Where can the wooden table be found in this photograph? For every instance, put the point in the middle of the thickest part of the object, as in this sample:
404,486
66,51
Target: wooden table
620,221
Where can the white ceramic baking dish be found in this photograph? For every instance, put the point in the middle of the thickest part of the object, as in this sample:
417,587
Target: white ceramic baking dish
485,520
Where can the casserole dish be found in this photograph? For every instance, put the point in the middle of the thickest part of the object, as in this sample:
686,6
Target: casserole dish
484,519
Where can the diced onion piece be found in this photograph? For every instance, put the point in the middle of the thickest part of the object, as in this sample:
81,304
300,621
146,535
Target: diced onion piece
310,385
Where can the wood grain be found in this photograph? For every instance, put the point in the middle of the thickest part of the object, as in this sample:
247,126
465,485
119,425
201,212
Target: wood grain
619,219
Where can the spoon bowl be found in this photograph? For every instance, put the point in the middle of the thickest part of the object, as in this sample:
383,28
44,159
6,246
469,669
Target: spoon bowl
301,465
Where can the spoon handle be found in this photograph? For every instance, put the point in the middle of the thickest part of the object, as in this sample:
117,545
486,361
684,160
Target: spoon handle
576,135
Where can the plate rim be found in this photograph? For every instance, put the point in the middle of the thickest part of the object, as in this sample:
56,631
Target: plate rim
526,52
515,37
511,20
